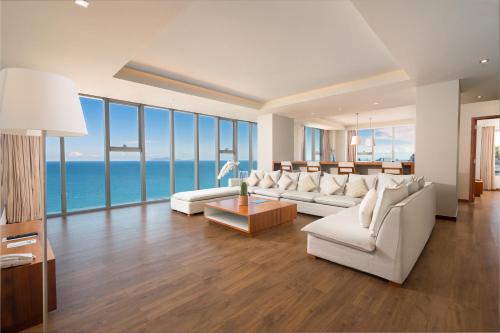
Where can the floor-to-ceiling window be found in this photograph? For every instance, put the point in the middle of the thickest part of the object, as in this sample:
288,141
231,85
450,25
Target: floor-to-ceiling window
128,154
85,175
207,151
53,173
124,156
244,146
389,144
226,147
308,144
313,144
157,152
254,147
184,151
317,144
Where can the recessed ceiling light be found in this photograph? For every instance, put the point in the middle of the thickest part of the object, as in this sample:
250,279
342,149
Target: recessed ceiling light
375,103
82,3
483,61
479,96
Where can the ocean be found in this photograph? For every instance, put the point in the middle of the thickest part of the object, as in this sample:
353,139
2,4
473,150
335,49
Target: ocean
85,182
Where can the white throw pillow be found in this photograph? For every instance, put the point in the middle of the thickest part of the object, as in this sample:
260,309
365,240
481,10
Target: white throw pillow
412,187
315,177
341,180
370,180
267,182
306,183
253,180
275,175
356,188
421,182
366,208
328,185
385,201
284,181
294,176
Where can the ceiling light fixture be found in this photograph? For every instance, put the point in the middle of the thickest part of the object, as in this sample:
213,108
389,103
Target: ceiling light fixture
483,61
370,142
479,96
355,140
376,103
82,3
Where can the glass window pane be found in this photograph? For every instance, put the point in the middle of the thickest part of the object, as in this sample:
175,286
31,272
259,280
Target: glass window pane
125,172
254,146
53,174
123,125
404,143
308,154
243,146
85,176
317,144
364,152
206,137
157,144
184,151
226,148
383,144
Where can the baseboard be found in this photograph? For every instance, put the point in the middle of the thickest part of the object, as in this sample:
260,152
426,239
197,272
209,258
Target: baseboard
448,218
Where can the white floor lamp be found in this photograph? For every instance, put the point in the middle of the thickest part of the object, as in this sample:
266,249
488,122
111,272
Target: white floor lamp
41,104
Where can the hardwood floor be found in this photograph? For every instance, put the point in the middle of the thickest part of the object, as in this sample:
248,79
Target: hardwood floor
147,269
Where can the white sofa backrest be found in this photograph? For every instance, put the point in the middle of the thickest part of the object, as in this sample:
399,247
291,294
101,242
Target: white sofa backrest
406,229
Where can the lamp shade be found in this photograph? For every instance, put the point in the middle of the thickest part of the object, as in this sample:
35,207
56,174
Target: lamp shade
33,101
355,140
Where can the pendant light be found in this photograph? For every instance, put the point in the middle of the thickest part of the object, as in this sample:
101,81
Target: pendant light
355,138
370,142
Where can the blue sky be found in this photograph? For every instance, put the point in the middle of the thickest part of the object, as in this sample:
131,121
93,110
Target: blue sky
124,131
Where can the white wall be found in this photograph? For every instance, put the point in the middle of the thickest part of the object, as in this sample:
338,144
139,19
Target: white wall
436,147
341,145
467,112
275,140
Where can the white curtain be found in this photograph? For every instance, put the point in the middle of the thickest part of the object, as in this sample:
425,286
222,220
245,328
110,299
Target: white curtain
20,177
487,167
301,138
327,149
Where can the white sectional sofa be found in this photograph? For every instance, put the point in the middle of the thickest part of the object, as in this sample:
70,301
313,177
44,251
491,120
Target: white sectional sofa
387,242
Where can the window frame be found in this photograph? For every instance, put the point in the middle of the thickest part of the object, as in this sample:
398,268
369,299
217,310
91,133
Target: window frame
393,136
141,149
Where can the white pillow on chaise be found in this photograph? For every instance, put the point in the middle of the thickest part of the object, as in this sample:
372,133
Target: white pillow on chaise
294,176
366,208
315,177
386,199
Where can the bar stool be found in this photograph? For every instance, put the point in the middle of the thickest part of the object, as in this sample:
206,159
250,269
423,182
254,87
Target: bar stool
393,168
313,166
286,166
346,168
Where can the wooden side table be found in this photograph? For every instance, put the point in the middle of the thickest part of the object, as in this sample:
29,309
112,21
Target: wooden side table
21,294
478,187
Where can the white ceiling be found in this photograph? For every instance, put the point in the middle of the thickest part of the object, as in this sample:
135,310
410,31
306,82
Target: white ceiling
315,61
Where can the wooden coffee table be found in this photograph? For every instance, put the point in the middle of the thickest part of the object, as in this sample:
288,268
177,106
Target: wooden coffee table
260,214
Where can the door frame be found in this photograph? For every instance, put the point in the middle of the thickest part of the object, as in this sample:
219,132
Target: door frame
473,147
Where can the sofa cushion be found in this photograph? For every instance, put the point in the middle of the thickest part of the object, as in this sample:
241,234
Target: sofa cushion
206,194
294,176
269,192
315,176
385,201
412,187
343,229
328,184
366,208
356,188
251,189
300,196
253,180
306,184
387,180
275,176
370,180
337,200
267,182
